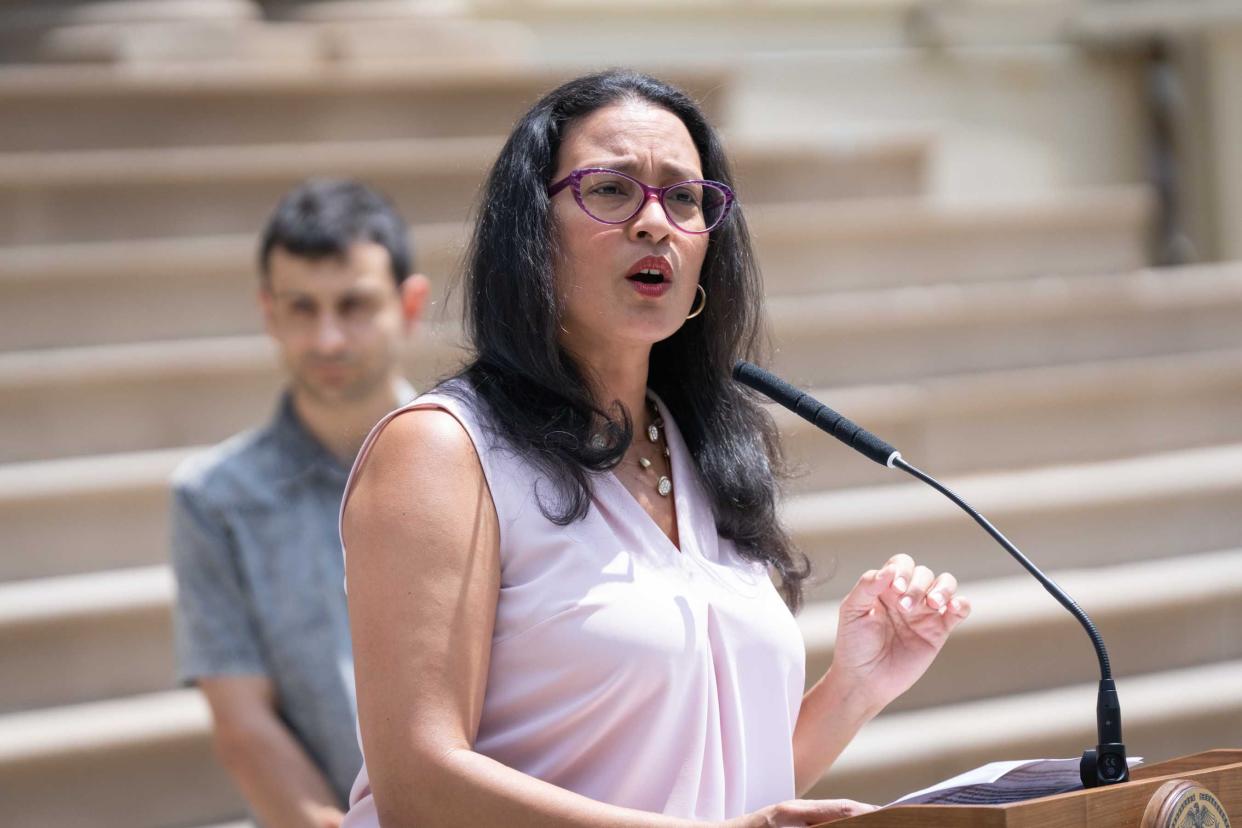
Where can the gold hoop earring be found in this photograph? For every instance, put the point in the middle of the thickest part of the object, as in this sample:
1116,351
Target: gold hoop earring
695,312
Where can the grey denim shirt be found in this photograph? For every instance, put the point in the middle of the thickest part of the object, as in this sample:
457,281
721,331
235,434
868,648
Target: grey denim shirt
260,579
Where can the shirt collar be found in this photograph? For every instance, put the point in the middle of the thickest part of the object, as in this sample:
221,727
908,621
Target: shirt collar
303,449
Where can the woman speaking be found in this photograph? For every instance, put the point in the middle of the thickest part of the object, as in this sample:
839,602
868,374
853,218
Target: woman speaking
561,561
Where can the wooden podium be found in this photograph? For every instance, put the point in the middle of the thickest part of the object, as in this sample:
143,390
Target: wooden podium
1161,795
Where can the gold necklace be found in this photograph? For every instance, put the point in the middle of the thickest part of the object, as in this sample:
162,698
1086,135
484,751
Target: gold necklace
664,486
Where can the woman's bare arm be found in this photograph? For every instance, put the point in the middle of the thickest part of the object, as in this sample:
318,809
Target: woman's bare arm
890,628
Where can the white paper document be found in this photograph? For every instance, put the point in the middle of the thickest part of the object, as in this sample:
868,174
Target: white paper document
1000,782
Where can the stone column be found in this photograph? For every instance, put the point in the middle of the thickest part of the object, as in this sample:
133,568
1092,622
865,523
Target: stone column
1223,56
1205,39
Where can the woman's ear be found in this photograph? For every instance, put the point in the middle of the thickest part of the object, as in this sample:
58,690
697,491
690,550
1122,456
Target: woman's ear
414,292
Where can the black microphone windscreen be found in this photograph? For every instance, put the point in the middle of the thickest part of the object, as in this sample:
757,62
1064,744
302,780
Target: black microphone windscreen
814,412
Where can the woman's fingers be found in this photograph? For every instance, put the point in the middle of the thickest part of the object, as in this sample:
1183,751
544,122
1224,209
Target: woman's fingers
959,611
901,567
907,587
941,592
802,812
912,597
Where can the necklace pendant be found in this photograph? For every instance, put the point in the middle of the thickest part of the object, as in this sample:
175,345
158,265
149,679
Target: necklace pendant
644,462
664,487
653,433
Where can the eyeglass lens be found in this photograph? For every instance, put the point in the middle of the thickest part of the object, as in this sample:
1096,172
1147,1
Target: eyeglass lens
614,198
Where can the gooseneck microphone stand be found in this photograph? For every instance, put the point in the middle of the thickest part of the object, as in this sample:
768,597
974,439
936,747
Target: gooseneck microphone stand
1106,763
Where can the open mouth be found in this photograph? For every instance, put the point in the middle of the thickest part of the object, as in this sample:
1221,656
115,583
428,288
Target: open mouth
648,276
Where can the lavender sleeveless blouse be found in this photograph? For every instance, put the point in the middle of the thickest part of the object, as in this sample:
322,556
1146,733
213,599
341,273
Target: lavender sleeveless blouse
623,668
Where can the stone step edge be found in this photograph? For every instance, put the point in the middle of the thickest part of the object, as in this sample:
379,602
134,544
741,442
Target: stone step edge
216,162
876,219
1064,712
1019,602
1141,377
889,310
1182,472
25,82
102,260
1179,373
1000,604
175,715
90,597
1047,489
802,223
101,726
946,305
90,475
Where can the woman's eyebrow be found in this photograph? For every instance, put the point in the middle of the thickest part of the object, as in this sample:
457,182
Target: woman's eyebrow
629,165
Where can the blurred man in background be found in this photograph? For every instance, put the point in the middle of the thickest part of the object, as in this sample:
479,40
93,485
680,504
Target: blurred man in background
261,621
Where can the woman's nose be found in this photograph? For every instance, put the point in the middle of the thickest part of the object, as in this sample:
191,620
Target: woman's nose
651,221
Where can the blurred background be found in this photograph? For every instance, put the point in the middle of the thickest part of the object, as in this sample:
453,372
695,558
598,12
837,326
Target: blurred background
997,232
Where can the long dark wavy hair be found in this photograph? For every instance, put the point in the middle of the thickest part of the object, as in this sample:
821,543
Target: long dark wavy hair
539,398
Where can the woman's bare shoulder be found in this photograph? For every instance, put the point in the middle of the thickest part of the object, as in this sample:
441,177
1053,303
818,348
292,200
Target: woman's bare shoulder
422,459
422,439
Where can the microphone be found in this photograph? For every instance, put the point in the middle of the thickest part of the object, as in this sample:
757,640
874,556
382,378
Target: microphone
1105,764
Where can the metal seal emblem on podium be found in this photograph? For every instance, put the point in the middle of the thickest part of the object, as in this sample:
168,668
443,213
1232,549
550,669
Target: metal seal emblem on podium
1184,804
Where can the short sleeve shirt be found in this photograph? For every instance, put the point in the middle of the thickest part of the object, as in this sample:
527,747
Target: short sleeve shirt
257,558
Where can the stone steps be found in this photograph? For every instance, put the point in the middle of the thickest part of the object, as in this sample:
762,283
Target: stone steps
104,512
861,245
115,398
86,637
107,292
98,749
1155,615
139,40
1027,417
57,108
99,195
182,392
81,515
563,27
1063,517
101,513
139,762
890,335
155,289
94,636
1165,715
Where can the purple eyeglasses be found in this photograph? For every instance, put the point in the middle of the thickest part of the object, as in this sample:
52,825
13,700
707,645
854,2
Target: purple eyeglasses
612,197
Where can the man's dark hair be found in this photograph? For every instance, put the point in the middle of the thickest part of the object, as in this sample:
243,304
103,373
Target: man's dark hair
539,397
322,217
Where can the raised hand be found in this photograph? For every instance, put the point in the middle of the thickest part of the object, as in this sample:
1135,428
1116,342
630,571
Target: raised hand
892,625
